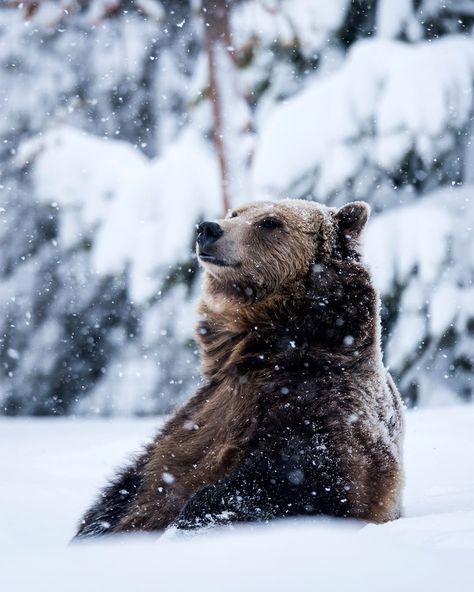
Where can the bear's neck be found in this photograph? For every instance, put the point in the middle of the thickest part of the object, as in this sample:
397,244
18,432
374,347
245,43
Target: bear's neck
329,318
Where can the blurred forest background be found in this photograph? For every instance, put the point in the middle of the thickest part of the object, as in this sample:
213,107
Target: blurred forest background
126,122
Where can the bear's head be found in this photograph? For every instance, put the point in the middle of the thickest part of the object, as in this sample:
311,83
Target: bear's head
264,248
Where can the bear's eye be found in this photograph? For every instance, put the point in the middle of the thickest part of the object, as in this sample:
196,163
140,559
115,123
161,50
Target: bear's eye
233,215
269,223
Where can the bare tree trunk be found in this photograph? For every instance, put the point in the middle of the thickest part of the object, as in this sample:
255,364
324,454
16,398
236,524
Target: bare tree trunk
227,105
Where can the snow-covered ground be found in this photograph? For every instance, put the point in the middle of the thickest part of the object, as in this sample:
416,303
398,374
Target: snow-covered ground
50,470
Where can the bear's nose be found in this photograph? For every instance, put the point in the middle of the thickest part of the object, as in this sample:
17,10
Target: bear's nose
208,233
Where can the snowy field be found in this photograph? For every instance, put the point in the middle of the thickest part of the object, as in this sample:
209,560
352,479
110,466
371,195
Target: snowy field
51,470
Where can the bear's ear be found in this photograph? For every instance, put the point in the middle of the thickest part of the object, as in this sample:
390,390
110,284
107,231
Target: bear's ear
352,218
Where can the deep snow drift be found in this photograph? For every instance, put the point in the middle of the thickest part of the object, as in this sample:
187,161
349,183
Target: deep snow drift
51,469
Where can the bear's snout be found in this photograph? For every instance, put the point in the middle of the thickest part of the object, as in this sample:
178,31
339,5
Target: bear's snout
208,233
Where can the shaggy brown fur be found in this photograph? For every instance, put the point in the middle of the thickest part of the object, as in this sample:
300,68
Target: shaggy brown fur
297,415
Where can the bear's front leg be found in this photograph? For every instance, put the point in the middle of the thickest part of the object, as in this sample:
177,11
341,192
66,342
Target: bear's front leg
208,507
241,497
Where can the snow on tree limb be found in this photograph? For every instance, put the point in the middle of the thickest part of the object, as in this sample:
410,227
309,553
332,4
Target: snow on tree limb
388,99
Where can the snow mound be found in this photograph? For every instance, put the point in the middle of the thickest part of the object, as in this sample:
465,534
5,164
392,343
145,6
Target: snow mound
52,469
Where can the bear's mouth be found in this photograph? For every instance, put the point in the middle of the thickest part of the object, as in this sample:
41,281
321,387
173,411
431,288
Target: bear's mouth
208,258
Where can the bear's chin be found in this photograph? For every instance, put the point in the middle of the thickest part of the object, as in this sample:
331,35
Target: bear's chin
220,276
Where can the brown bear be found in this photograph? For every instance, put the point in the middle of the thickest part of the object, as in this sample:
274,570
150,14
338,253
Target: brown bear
297,415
